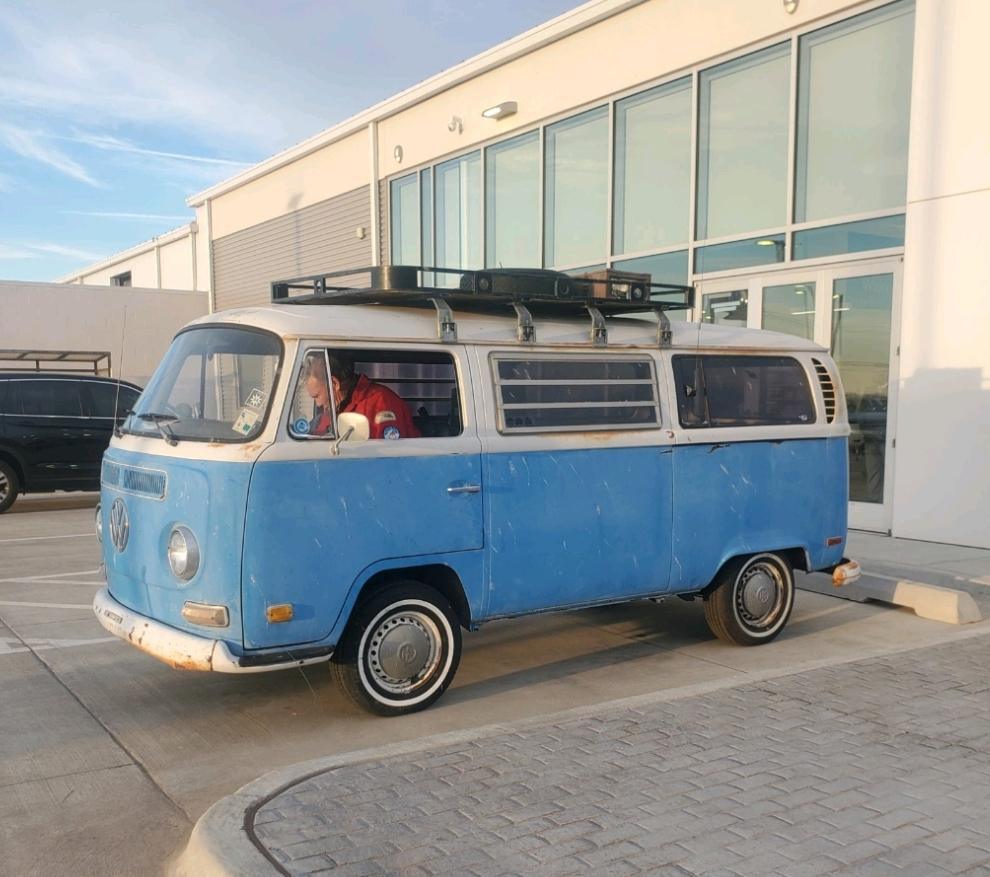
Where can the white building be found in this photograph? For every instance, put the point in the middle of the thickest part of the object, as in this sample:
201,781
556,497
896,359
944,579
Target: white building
819,167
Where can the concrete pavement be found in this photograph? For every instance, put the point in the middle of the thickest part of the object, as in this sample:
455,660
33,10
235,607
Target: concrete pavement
805,763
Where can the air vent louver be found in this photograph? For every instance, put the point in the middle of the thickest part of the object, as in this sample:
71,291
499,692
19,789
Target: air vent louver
828,390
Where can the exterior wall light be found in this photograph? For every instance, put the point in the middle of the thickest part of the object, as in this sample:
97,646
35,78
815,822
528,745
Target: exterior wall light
790,6
500,111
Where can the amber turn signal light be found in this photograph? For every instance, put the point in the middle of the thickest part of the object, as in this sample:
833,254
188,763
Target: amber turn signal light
279,613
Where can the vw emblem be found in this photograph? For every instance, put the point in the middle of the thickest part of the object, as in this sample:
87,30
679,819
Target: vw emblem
120,527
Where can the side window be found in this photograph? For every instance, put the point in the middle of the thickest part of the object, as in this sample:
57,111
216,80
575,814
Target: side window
4,407
47,398
403,393
555,393
722,391
103,397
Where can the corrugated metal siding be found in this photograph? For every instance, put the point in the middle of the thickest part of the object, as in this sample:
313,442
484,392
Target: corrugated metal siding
383,222
309,241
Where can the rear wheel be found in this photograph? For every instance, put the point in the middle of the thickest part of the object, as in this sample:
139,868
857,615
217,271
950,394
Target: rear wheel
9,486
400,650
752,600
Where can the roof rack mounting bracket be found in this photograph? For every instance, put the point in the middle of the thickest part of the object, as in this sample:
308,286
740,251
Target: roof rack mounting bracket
525,330
665,335
599,334
446,327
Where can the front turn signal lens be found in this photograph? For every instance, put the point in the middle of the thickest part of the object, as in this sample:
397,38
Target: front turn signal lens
279,613
846,573
206,614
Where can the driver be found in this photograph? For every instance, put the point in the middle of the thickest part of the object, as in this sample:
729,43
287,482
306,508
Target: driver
388,416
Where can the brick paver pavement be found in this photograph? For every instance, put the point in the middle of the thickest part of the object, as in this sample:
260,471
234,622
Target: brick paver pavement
880,767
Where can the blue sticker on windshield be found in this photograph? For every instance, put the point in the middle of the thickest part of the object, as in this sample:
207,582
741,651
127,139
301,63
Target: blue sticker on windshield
391,432
301,426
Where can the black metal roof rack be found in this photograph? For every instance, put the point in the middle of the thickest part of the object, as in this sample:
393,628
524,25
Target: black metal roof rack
527,291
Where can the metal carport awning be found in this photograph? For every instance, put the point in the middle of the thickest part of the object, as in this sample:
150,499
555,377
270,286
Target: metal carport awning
95,361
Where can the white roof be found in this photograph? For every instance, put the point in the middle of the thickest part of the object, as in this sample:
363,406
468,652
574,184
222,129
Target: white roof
379,323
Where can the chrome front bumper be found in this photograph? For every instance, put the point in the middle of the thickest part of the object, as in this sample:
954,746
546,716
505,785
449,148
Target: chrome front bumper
178,649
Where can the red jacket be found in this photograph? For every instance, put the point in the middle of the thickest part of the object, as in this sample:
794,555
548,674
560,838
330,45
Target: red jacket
388,416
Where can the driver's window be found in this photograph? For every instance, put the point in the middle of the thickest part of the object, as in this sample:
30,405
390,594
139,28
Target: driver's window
311,412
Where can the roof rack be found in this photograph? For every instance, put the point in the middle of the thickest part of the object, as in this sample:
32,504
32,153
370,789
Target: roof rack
95,361
597,295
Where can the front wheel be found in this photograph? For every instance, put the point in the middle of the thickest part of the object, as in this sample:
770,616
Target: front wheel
752,600
9,486
400,650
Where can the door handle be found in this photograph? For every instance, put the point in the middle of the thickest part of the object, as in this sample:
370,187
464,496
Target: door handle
465,488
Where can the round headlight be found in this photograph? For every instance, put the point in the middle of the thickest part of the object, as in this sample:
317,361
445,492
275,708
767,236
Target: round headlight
183,553
98,522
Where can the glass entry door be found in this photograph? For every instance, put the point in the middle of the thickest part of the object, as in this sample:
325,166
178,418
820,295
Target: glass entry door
853,311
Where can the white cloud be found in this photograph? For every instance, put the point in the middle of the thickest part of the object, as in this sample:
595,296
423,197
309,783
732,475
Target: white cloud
104,141
9,252
67,252
32,145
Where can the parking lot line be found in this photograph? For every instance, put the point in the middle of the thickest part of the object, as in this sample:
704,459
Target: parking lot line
47,605
58,578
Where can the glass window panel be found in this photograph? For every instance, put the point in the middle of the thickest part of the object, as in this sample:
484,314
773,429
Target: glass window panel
719,391
107,400
512,208
576,189
49,398
850,237
728,308
739,254
854,96
458,214
861,309
652,168
426,215
663,268
790,308
742,144
405,221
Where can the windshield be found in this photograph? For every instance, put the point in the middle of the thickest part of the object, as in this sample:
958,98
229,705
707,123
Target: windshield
214,384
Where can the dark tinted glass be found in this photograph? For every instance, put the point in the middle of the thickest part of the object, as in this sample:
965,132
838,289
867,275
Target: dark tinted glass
549,394
48,398
719,391
4,408
104,396
577,418
572,370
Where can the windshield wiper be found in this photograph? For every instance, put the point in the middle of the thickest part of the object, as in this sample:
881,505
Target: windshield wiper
118,427
161,421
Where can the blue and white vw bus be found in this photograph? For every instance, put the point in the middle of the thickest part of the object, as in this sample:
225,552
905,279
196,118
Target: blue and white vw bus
573,448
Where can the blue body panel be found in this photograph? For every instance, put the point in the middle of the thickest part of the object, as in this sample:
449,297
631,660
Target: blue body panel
209,498
745,497
567,528
316,529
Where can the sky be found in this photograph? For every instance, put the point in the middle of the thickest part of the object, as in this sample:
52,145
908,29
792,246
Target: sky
113,113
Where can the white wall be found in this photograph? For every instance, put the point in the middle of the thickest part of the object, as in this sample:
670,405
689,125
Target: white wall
52,316
942,464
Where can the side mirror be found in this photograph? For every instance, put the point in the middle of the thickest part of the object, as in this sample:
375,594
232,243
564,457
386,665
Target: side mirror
351,427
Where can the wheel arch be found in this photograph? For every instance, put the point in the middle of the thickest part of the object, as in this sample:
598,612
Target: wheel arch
797,557
438,576
14,462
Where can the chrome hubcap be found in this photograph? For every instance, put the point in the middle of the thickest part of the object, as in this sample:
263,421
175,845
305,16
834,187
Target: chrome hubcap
4,486
760,595
403,651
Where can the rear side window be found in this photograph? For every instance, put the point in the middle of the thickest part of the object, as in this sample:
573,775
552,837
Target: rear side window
46,398
720,391
103,398
558,394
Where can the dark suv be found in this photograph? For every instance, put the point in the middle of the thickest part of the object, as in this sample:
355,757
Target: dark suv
54,428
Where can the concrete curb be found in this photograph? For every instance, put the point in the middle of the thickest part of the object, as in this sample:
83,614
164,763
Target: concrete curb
221,842
933,602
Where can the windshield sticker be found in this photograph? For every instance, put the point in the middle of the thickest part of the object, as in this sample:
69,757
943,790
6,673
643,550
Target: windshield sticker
246,420
301,426
255,400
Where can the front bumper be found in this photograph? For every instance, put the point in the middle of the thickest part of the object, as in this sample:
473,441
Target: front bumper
185,651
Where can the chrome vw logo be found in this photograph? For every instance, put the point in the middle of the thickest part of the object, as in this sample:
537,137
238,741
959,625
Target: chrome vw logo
120,527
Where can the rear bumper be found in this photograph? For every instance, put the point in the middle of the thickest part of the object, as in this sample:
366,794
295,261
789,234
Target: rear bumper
845,572
185,651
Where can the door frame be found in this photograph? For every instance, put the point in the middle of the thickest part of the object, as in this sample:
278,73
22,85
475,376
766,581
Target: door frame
874,517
